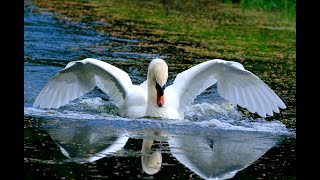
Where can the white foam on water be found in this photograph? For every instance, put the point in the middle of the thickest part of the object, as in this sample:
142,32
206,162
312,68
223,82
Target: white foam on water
221,115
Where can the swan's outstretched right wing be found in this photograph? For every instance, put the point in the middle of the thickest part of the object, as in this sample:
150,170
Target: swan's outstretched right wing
235,84
81,77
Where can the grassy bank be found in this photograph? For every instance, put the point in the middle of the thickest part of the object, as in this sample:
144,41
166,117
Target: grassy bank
286,8
201,28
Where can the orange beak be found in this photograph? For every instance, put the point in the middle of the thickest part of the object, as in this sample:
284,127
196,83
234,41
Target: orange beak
160,100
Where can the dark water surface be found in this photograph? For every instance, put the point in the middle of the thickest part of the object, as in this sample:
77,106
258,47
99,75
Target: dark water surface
86,139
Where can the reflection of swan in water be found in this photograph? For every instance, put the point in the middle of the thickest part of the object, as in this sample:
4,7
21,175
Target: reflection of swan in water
221,156
151,158
117,144
86,143
82,143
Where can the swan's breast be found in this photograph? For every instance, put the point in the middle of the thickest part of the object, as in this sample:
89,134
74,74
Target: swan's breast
166,112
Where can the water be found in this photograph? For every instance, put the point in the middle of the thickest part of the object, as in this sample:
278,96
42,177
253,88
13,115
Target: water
87,138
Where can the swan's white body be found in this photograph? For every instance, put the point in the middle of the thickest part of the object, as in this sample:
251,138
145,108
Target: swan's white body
235,84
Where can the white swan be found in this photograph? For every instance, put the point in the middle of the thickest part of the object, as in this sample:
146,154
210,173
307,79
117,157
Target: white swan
152,98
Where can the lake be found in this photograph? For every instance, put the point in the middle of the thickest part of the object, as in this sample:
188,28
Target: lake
86,139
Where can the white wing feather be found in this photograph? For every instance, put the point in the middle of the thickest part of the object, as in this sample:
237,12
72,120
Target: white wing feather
234,83
81,77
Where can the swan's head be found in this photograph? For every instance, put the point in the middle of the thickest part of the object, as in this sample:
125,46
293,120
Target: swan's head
158,74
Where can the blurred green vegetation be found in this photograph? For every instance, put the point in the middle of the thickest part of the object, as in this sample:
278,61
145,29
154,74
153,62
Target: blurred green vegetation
287,8
206,28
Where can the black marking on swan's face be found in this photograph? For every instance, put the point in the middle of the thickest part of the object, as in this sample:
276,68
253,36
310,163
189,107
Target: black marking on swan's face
160,90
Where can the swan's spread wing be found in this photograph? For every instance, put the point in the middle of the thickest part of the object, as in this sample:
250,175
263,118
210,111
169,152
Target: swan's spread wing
235,84
81,77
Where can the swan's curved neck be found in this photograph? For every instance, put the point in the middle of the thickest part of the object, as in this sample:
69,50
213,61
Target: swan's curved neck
152,92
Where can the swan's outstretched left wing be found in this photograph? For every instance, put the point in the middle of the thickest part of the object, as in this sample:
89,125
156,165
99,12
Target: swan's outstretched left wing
81,77
235,84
